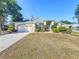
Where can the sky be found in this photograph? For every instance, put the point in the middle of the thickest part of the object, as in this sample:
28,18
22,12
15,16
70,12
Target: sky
49,9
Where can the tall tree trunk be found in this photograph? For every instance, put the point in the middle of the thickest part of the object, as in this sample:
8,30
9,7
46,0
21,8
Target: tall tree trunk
1,22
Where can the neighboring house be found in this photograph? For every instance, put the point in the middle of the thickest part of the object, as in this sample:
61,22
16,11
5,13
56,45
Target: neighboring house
31,26
75,27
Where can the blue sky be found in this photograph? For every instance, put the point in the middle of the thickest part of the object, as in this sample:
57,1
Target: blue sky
49,9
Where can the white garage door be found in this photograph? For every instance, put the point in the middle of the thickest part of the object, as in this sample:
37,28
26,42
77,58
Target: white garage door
22,28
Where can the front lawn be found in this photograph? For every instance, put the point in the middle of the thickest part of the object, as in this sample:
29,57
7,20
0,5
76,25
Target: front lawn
44,46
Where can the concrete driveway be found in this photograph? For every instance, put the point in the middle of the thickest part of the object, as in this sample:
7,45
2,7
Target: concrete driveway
9,39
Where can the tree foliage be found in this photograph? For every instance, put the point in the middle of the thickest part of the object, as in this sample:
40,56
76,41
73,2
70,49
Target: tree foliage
66,22
10,7
77,13
17,17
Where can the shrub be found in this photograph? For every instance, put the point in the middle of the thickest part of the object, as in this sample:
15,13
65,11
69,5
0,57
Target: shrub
5,27
11,27
39,30
10,30
54,28
69,30
62,29
65,30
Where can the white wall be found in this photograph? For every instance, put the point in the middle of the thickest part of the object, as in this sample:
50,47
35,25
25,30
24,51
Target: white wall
52,23
30,27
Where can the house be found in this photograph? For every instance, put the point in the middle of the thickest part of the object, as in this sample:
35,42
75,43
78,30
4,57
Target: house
31,26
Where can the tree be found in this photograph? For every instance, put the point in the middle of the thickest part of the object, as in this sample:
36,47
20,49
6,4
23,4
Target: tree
13,7
14,10
8,7
2,13
17,17
66,22
77,13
